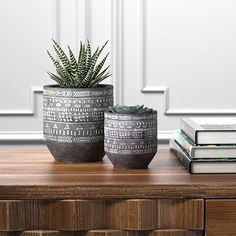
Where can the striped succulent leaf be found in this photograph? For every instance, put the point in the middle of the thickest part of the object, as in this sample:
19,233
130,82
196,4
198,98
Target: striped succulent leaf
81,70
94,58
84,72
102,48
59,68
99,66
80,51
103,72
87,79
73,64
89,56
99,76
56,78
99,79
61,54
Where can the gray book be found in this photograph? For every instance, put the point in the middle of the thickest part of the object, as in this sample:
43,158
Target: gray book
203,166
204,151
207,131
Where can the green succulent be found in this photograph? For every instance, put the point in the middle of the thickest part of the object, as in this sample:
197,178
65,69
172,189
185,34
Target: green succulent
130,109
84,72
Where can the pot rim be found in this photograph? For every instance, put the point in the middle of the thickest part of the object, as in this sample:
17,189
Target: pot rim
132,114
57,87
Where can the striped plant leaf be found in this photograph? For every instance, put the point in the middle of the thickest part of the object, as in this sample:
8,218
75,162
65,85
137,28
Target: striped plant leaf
62,71
94,59
99,67
73,64
81,70
94,84
80,51
102,48
87,79
96,81
66,82
89,56
96,56
55,78
61,54
103,72
84,72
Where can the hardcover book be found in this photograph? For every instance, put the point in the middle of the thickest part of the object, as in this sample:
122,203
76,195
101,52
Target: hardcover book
204,151
207,131
202,166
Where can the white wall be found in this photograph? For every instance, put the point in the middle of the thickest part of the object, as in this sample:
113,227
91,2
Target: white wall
177,56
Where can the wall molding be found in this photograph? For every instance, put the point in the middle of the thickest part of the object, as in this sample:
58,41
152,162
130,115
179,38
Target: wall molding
83,21
165,135
56,19
171,111
37,137
117,42
25,112
9,137
165,89
24,137
38,89
83,27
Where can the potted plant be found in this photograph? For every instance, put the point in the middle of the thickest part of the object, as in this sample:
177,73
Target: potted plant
130,136
73,109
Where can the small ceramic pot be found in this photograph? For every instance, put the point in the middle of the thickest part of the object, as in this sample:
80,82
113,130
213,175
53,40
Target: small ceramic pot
73,122
130,139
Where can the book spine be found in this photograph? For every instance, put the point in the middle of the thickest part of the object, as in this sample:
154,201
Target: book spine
185,144
188,130
182,157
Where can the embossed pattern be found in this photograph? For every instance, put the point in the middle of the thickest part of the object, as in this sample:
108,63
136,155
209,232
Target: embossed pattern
75,115
74,122
130,134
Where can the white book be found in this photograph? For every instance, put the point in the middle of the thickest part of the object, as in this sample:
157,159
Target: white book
204,151
206,131
202,166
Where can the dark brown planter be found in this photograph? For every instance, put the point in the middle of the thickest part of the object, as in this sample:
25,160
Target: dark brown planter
130,139
73,122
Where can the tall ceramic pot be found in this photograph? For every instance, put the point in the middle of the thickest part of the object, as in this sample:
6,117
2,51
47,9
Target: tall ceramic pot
130,139
73,121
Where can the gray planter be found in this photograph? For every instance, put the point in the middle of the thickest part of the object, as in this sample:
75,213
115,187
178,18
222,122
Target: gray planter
73,122
130,139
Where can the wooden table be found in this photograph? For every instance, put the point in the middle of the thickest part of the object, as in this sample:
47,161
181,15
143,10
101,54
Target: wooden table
40,197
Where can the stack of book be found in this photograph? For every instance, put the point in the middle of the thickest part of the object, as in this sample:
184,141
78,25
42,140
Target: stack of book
206,145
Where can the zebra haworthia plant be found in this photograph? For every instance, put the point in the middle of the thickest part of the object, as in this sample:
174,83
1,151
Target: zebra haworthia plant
130,109
84,72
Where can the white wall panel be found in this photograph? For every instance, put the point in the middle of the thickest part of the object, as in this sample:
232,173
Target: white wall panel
187,53
191,49
177,56
26,28
22,60
99,30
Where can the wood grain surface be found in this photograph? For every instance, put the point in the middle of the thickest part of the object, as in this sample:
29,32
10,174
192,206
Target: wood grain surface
79,215
41,233
105,232
146,214
34,174
221,217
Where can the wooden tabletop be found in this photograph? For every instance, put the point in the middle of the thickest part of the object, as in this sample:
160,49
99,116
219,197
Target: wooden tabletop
34,174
